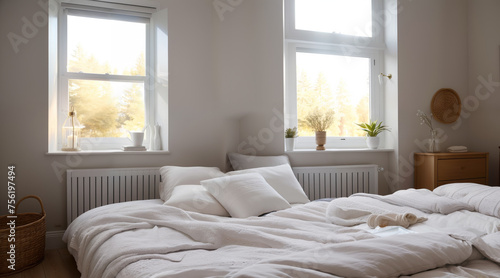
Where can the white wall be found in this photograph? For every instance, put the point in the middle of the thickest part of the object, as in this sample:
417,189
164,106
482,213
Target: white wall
482,107
432,54
249,67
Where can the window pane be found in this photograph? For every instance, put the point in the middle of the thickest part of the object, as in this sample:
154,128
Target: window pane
339,83
106,46
349,17
107,109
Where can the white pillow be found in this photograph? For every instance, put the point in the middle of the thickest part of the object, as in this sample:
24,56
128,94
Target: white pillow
282,179
241,161
172,176
194,197
245,195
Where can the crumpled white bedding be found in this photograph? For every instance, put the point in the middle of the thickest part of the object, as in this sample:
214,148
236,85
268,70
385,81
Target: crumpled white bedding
115,235
148,239
482,198
373,257
421,199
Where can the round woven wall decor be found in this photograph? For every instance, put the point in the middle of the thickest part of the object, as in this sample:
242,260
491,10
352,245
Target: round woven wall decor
446,106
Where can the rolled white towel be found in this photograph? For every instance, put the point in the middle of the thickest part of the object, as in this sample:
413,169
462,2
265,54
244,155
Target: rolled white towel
393,219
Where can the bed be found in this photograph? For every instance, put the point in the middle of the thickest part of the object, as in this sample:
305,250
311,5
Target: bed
255,222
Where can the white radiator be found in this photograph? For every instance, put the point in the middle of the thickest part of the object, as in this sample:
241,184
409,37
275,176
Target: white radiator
91,188
337,181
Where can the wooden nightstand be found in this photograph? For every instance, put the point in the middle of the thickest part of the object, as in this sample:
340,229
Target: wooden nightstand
435,169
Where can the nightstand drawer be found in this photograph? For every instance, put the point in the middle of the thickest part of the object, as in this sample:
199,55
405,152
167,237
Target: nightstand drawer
435,169
465,168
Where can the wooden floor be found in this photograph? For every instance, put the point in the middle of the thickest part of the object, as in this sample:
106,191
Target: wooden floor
57,263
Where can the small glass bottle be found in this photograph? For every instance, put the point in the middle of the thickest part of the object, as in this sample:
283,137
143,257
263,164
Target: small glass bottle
71,132
433,143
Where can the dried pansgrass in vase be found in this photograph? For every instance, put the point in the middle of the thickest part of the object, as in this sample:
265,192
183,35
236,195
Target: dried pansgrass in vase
320,121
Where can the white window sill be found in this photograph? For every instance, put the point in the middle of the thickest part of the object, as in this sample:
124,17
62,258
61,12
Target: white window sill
106,152
364,150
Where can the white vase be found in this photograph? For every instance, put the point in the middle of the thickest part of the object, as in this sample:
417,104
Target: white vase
289,144
149,137
372,142
157,138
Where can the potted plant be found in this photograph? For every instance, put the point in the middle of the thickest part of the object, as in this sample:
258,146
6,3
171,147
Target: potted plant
320,122
290,135
373,129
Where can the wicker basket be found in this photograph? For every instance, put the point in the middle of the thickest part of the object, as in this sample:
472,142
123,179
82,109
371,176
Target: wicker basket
29,239
446,106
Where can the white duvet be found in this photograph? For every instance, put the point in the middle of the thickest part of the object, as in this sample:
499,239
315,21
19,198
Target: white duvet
148,239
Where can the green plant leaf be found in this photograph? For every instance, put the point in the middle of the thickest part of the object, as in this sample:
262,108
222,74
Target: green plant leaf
291,132
373,128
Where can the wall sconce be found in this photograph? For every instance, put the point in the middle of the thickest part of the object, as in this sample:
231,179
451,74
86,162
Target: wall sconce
381,77
71,132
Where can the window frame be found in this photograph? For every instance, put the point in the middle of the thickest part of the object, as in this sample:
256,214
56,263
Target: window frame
375,41
102,143
333,44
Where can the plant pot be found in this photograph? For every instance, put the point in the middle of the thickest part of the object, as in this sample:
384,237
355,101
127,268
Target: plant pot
372,142
289,144
320,140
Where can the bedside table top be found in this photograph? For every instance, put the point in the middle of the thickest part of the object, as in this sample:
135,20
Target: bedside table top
453,154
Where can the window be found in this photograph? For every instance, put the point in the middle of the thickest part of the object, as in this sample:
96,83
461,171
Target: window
104,74
352,17
333,51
